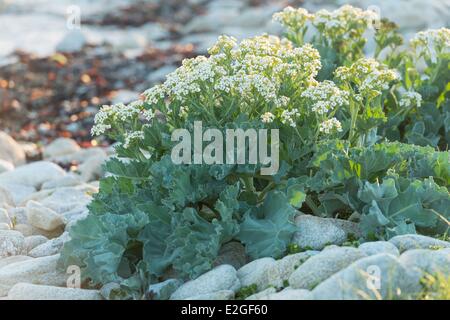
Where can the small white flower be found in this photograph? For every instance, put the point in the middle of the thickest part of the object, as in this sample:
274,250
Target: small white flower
148,114
184,110
410,98
325,96
132,136
330,125
267,117
289,117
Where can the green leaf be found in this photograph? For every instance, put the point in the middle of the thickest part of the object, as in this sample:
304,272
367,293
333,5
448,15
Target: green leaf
267,230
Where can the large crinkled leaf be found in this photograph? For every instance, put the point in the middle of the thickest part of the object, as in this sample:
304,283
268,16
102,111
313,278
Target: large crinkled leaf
181,185
196,242
399,205
267,230
99,244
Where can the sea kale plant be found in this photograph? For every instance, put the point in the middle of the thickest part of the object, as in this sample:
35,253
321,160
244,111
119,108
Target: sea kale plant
361,137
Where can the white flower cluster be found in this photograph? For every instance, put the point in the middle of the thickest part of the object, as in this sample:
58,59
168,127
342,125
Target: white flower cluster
154,94
330,125
370,76
256,67
267,117
107,114
343,21
117,114
184,110
189,77
293,18
410,98
325,96
288,116
432,41
131,137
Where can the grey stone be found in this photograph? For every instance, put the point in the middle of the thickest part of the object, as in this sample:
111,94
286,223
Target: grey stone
18,192
376,247
42,217
427,261
223,277
66,181
5,166
60,147
375,277
73,41
32,242
10,150
28,291
290,294
37,271
159,75
322,266
315,232
416,241
255,272
262,294
92,168
279,273
11,243
50,247
68,198
13,259
33,174
218,295
4,216
5,198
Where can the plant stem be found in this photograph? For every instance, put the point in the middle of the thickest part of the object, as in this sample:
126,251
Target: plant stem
312,206
248,182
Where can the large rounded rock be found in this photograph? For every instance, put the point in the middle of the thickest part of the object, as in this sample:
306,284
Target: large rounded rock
32,242
316,233
37,271
376,247
60,147
69,180
278,274
73,41
4,216
50,247
5,166
13,259
11,243
27,291
218,295
376,277
427,261
416,241
5,198
223,277
68,198
322,266
262,295
92,168
33,174
18,192
10,150
42,217
255,272
289,294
